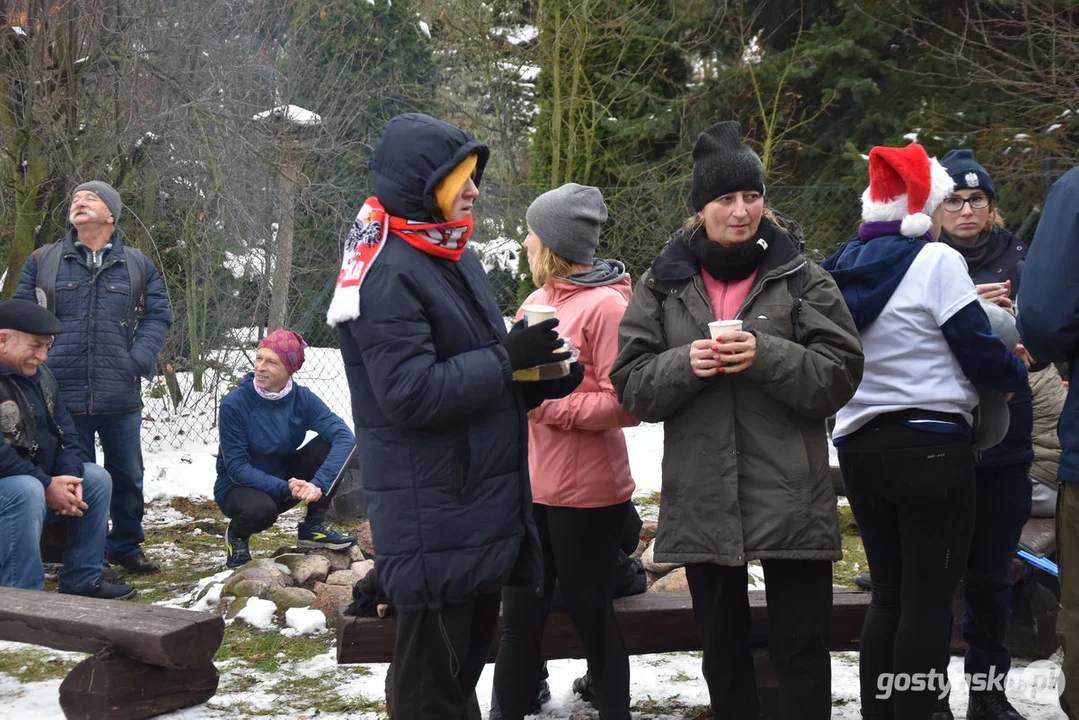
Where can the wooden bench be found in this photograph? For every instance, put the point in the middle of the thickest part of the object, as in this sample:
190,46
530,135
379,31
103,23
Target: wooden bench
146,659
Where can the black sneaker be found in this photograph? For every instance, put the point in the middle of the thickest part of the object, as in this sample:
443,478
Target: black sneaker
991,706
236,552
942,708
105,590
137,564
864,581
109,573
583,687
322,536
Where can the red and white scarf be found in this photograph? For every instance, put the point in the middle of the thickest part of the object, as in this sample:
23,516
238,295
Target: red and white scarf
366,239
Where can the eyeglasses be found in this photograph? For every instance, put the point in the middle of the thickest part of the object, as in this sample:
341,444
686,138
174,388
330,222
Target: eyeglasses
955,203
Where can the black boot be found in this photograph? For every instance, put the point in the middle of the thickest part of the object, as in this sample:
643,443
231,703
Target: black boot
864,581
991,706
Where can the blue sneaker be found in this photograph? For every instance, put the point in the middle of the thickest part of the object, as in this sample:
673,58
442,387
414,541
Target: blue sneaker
322,536
236,552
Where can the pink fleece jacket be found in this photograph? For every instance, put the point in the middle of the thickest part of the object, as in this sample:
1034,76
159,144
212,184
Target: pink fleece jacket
576,449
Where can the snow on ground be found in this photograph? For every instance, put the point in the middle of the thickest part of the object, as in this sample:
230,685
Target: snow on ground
185,467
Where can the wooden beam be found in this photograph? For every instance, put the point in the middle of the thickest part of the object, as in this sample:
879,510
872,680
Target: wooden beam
169,637
107,686
650,623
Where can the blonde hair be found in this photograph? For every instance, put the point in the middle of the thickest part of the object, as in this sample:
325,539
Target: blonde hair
693,222
995,216
549,264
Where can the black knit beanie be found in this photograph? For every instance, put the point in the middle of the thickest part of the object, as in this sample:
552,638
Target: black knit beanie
723,164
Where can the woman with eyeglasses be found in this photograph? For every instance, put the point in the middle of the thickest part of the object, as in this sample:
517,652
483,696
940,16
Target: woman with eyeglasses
971,224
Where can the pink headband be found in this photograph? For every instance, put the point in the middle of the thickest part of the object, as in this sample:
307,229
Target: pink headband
289,345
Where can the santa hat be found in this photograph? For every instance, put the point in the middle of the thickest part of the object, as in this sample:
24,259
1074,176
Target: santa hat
905,184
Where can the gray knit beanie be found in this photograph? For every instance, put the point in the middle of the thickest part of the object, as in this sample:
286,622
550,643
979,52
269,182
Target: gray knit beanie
723,164
103,190
567,220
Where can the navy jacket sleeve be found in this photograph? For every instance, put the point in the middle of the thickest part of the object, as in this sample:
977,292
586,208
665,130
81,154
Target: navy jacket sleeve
68,460
233,431
983,356
413,387
11,463
1049,299
156,320
27,280
322,420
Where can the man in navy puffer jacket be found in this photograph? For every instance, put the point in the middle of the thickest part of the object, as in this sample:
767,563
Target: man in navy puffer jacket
99,359
441,431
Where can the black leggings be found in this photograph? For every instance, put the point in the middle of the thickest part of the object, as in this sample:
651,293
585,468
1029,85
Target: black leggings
580,547
252,510
912,494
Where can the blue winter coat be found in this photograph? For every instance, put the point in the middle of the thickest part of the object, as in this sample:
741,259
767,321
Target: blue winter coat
57,453
1049,304
95,359
441,429
260,436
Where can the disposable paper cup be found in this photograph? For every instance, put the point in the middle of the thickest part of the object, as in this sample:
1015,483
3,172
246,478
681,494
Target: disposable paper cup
722,327
537,313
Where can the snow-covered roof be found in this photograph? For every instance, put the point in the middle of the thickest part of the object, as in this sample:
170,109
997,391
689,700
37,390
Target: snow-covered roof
290,113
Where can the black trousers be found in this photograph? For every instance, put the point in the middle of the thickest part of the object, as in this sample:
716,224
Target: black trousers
913,496
1002,507
799,594
252,510
438,657
580,551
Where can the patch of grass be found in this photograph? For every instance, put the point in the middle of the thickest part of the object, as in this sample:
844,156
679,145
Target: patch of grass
258,650
854,560
31,664
320,692
681,677
199,508
673,706
647,504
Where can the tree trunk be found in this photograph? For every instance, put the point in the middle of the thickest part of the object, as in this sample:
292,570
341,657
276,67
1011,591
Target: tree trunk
282,272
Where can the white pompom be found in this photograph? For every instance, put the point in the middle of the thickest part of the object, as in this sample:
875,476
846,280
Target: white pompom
915,225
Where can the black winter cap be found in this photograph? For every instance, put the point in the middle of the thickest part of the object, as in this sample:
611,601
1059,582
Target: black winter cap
723,164
28,317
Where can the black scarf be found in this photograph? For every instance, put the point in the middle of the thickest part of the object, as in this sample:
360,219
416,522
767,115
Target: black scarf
730,263
976,255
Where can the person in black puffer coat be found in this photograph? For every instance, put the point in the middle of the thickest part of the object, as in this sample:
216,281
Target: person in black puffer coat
441,428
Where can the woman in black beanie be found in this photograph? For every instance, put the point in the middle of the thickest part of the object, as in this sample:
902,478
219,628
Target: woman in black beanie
745,465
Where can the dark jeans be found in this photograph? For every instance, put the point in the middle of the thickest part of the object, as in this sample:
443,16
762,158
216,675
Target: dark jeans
121,443
913,495
1002,507
252,510
580,550
799,594
438,658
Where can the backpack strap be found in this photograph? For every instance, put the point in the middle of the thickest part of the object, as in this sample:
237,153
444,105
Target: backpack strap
48,264
136,272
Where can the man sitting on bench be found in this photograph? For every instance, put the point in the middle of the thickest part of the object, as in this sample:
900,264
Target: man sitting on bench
42,477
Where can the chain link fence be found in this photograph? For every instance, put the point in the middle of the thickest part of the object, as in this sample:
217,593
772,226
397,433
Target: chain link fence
219,304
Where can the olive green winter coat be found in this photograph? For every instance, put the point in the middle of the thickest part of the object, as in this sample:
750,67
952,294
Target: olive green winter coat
745,456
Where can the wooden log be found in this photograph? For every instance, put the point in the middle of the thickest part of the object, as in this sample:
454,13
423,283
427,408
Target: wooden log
1040,535
108,685
650,623
169,637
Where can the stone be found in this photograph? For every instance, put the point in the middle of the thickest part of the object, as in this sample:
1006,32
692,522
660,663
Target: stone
338,559
262,570
250,588
292,597
343,577
649,528
648,560
310,569
289,560
362,568
363,535
642,545
355,554
329,597
675,581
287,550
236,606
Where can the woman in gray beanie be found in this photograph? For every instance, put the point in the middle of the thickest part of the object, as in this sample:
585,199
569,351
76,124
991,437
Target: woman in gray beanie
578,462
745,457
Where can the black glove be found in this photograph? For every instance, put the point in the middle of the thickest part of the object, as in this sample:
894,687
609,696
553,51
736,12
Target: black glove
534,345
